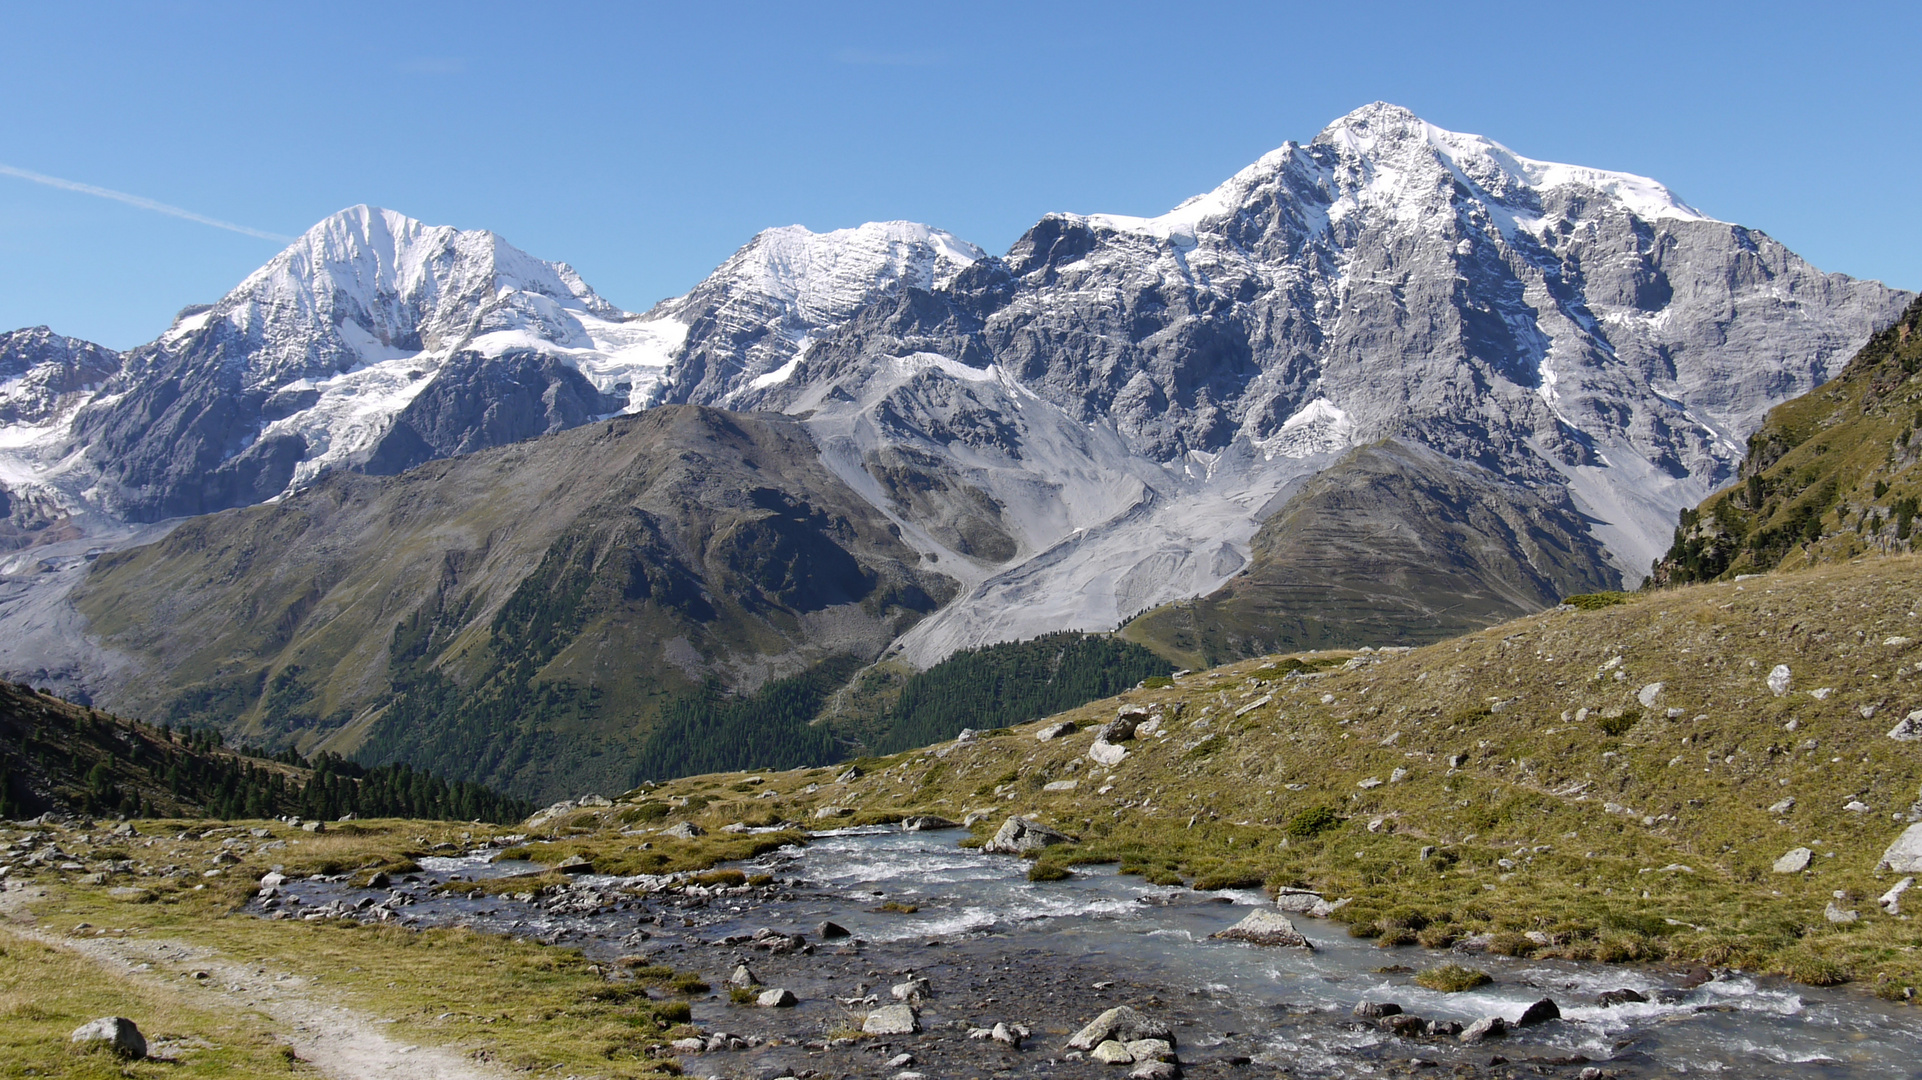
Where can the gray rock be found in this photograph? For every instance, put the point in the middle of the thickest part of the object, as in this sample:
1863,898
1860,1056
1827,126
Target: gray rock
1112,1052
1904,855
1154,1070
1122,728
594,801
1124,1024
777,999
1375,1010
1612,998
686,830
825,812
1782,807
1297,901
1050,732
1151,1050
743,977
926,822
120,1035
1263,927
1540,1012
913,990
1019,834
1103,752
573,864
830,930
1891,901
1442,1029
1488,1027
1836,913
1405,1025
891,1020
900,1061
1779,679
1909,729
1007,1036
1794,862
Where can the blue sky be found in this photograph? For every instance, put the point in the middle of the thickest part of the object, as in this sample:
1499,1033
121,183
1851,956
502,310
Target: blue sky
643,143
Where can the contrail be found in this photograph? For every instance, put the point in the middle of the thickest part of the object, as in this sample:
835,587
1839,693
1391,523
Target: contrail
144,204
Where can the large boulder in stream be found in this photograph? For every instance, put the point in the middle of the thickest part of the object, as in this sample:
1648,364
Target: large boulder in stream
1264,927
1018,835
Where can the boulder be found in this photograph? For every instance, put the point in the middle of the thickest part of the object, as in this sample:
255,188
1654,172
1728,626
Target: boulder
830,930
1375,1010
1891,901
686,830
777,999
1442,1029
1127,720
1018,834
1051,732
1112,1052
833,812
913,990
1836,913
1795,861
118,1034
1540,1013
891,1020
688,1046
1103,752
925,822
1154,1070
594,800
1488,1027
1779,680
742,977
272,880
1297,901
1007,1036
1057,786
574,864
1904,856
1123,1023
1151,1050
1612,998
1264,927
1404,1025
1909,730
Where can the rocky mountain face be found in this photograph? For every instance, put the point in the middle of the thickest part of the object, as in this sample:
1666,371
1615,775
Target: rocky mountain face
1127,399
521,615
45,376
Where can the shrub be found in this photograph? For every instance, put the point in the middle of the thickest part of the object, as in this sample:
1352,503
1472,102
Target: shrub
1595,601
1452,978
1049,871
688,982
1312,822
673,1012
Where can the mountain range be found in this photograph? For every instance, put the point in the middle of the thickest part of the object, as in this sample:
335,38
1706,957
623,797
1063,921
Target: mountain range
1379,387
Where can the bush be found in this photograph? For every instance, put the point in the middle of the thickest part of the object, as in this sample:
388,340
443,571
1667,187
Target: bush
1452,978
673,1012
1313,822
1049,871
1595,601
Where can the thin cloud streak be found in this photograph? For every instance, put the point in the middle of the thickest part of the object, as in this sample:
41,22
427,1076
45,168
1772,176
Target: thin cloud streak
144,204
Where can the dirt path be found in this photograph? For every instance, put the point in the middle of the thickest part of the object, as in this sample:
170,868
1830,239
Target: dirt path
339,1041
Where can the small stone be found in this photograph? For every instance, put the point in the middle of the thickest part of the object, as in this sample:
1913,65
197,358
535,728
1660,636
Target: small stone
1488,1027
1151,1050
1060,785
1404,1025
1111,1052
1612,998
1154,1070
1369,784
1778,680
688,1046
121,1036
777,999
1442,1029
1375,1010
1794,861
1398,776
913,990
272,880
314,827
926,822
1005,1035
900,1061
1051,732
1263,927
1891,901
1298,901
830,930
891,1020
1104,752
1837,914
825,812
686,830
742,977
1648,695
1456,761
1540,1013
1782,807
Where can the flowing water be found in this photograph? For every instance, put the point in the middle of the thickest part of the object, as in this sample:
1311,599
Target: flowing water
1053,955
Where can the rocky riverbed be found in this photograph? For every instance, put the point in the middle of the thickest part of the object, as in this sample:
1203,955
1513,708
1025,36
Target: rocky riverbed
957,966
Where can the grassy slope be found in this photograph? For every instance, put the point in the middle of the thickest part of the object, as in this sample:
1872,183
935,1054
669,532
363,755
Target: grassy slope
1826,474
1586,819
